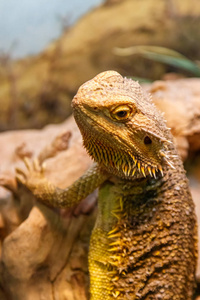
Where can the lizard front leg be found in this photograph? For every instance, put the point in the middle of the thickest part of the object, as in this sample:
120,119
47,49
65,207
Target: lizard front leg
34,179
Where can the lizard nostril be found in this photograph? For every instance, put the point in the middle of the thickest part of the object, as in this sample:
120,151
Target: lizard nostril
147,140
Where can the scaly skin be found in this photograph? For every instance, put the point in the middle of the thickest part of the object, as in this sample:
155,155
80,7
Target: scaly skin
144,244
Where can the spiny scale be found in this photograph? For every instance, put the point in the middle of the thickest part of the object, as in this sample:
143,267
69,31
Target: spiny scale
113,231
143,172
154,172
149,169
161,170
133,172
115,258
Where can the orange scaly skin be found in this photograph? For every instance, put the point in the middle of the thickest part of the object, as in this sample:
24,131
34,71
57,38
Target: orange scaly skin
144,242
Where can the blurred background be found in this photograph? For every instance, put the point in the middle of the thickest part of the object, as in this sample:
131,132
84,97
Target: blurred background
49,48
27,27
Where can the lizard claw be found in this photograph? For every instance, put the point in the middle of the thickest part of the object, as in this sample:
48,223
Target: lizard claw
43,167
33,175
27,163
20,175
36,165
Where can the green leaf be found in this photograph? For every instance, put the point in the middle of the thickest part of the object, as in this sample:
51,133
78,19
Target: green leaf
163,55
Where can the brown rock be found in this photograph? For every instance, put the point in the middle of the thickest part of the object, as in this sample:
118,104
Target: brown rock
37,255
179,100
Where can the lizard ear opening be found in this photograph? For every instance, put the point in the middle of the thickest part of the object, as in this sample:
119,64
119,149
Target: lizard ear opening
147,140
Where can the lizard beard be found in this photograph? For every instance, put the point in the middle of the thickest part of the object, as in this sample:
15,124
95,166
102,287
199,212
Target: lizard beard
119,161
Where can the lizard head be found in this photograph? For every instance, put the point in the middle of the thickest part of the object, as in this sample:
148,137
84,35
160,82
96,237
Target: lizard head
122,129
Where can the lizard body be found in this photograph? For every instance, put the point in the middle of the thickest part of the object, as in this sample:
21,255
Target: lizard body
144,242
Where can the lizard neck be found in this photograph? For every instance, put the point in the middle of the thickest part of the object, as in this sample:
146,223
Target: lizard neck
113,211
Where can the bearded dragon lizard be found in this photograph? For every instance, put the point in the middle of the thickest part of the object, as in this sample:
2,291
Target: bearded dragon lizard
144,244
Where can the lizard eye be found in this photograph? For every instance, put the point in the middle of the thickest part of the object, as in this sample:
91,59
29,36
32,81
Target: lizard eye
121,112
